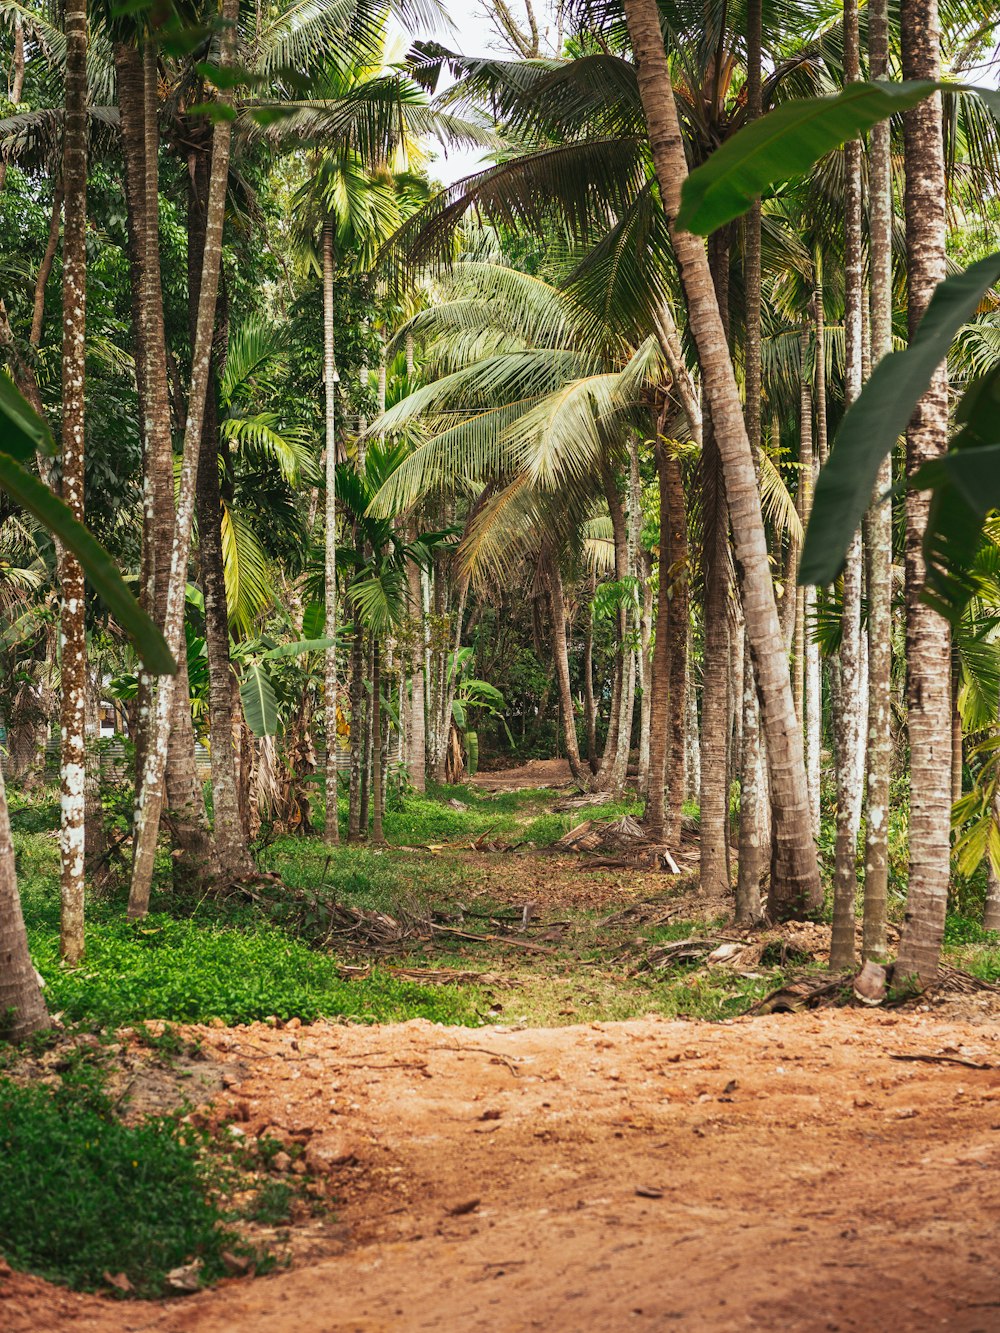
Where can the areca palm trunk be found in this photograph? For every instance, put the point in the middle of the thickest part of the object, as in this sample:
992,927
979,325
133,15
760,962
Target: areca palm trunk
660,682
354,829
417,734
678,632
22,1006
378,837
928,640
589,703
73,676
231,837
750,866
848,731
151,797
714,864
137,79
331,828
878,522
795,886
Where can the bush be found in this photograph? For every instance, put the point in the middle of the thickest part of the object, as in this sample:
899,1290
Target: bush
84,1195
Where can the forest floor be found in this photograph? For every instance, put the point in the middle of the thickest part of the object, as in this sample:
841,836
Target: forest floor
562,1141
788,1171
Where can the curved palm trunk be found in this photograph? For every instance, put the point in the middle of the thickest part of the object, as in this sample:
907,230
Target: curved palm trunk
22,1007
330,380
795,886
151,797
928,640
73,676
878,523
848,734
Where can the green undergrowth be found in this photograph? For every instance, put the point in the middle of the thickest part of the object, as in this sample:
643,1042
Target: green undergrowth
249,956
86,1196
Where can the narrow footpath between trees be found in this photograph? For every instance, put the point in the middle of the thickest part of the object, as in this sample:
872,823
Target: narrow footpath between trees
783,1172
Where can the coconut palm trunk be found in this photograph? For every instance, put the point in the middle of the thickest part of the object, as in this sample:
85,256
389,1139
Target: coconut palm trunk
152,795
847,721
795,886
928,639
73,672
22,1006
330,381
878,522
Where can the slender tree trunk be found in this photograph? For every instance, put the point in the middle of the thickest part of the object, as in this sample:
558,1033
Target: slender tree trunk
557,605
96,839
589,705
22,1007
678,630
366,748
15,81
795,886
231,838
610,772
659,739
378,837
957,757
330,380
357,734
715,869
848,731
151,798
45,267
692,748
73,675
418,718
713,797
928,645
753,787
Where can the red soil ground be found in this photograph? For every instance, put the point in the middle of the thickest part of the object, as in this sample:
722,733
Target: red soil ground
772,1173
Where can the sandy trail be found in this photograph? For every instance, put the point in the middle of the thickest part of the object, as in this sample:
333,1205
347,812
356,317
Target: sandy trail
805,1180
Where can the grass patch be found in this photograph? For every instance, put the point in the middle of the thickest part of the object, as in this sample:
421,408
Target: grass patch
85,1195
185,971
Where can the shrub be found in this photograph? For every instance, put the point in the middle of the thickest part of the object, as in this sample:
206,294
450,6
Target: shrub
85,1195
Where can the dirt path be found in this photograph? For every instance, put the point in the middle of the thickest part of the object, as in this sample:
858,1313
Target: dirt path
775,1173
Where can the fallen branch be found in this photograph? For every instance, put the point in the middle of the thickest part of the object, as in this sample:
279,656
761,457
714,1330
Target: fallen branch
927,1058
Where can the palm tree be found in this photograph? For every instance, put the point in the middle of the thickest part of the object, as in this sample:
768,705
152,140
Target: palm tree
927,632
878,522
795,883
151,796
847,715
74,634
